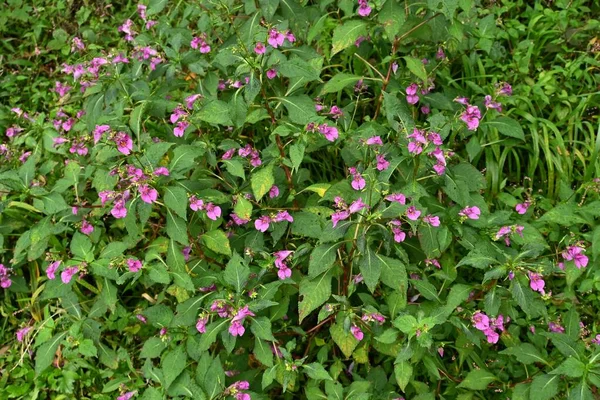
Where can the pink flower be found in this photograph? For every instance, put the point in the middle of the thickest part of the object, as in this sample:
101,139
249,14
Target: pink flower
280,257
61,89
283,216
290,36
196,204
336,112
412,213
180,128
177,113
432,220
141,318
399,235
363,9
339,216
425,109
498,322
470,212
236,329
382,163
471,117
262,223
489,103
21,333
204,48
99,131
51,270
260,48
374,140
505,89
213,212
481,321
411,94
555,327
273,192
433,261
358,182
596,340
491,336
536,282
271,73
161,171
68,273
126,396
275,38
126,28
396,197
201,325
503,231
521,208
284,273
356,206
119,210
575,253
190,100
440,55
148,194
86,227
134,265
330,132
124,143
357,332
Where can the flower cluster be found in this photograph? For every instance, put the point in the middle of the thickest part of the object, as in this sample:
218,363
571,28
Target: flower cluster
263,222
344,211
277,38
507,231
236,390
5,281
419,140
470,213
358,182
284,271
575,254
363,8
180,113
212,211
199,42
331,133
491,327
536,282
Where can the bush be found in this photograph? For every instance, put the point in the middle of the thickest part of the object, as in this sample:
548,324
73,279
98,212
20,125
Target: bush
282,200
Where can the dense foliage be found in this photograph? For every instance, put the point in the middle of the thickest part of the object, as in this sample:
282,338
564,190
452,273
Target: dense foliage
300,199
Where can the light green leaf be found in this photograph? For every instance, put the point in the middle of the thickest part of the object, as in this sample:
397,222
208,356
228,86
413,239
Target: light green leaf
339,81
544,387
508,127
177,228
525,353
346,34
370,268
45,353
417,67
298,68
344,339
262,181
426,289
156,6
321,259
173,364
392,17
176,199
217,241
571,367
317,372
216,112
403,372
261,328
301,109
243,208
478,379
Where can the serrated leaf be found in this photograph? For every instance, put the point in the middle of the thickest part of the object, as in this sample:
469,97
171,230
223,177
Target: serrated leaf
262,181
216,112
426,289
544,387
217,241
45,353
478,379
508,127
301,109
417,67
173,364
314,293
571,367
340,81
236,273
344,339
298,68
321,259
243,208
317,372
176,199
403,372
345,35
525,353
370,269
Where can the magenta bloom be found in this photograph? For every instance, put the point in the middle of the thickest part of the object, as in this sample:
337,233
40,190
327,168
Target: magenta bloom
358,182
481,321
161,171
356,206
432,220
236,329
260,48
21,333
280,257
271,73
262,223
201,324
148,193
396,197
275,38
68,273
382,163
471,117
399,235
411,94
119,210
51,270
190,100
196,204
126,396
124,143
555,327
574,253
357,332
489,103
374,140
412,213
134,265
273,192
284,273
213,212
330,132
339,216
521,208
363,8
470,212
179,130
283,216
536,282
99,131
86,227
491,335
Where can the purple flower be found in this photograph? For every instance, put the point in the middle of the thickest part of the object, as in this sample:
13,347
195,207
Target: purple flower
399,235
178,112
412,213
262,223
330,132
356,206
190,100
21,333
68,273
382,163
283,216
490,103
471,117
339,216
51,270
126,396
536,282
275,38
470,212
358,182
425,109
180,128
396,197
134,265
273,192
213,212
196,204
481,321
271,73
432,220
374,140
161,171
260,48
363,9
357,332
521,208
124,143
119,210
201,324
99,131
411,94
491,336
574,253
148,194
555,327
126,28
86,227
61,89
280,257
505,89
440,55
141,318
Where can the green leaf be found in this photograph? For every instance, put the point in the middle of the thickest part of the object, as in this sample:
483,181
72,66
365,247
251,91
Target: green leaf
108,356
262,181
235,168
307,224
525,353
314,293
346,34
417,67
321,259
210,336
393,273
581,392
317,372
297,155
571,321
81,246
429,241
184,157
243,208
298,68
176,199
392,17
45,353
571,367
263,353
216,112
447,7
544,387
458,294
54,203
135,118
177,228
344,339
370,268
152,394
87,349
403,372
301,109
113,249
478,379
173,364
261,328
340,81
156,6
153,347
426,289
236,273
217,241
508,127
